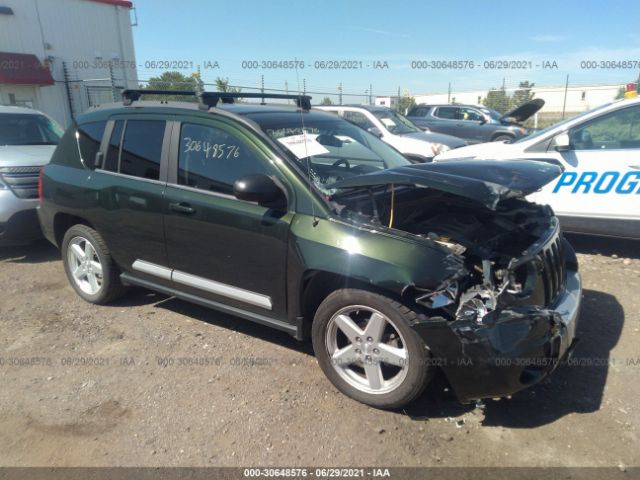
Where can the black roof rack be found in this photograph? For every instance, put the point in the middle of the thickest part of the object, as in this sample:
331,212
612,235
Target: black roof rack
206,100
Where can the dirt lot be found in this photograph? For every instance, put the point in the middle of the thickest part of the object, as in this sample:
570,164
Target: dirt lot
153,381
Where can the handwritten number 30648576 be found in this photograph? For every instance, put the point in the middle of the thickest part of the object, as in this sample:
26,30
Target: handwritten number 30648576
211,150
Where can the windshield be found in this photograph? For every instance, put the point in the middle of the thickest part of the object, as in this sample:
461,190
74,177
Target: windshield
492,113
331,149
27,129
543,131
395,123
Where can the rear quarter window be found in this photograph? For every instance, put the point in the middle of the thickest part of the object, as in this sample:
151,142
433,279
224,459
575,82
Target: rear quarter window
89,138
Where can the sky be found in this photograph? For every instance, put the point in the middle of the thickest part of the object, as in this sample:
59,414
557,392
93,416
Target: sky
384,39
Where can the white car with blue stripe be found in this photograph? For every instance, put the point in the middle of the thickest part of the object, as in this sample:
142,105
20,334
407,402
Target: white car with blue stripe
599,190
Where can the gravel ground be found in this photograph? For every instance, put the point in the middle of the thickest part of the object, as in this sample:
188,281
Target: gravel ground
154,381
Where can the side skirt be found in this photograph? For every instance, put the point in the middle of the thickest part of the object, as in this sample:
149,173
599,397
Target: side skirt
294,330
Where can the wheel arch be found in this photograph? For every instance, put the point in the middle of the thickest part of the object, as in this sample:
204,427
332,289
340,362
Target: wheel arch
319,284
501,133
63,222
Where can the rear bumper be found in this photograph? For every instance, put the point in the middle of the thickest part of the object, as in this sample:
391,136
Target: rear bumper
517,349
18,219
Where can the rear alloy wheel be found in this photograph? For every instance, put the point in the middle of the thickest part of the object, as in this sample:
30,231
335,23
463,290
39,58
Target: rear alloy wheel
89,266
366,347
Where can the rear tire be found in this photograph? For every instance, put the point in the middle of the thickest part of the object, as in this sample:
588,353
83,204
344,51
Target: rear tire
89,267
365,345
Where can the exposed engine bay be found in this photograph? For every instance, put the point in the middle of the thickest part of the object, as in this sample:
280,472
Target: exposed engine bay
489,241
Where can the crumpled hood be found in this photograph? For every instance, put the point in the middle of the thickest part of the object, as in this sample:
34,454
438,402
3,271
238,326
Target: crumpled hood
433,137
485,181
25,155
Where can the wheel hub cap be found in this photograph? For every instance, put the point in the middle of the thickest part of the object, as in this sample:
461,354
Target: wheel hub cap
366,349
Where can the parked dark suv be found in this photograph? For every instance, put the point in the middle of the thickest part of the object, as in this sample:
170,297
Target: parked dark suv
474,123
299,220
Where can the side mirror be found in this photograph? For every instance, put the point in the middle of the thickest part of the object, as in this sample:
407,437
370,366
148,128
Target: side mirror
483,120
260,189
561,142
375,131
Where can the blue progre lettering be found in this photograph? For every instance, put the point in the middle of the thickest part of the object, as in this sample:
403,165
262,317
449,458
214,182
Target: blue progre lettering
613,176
626,186
600,183
566,179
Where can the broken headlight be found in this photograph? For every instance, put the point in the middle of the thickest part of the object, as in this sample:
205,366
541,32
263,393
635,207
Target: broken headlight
439,298
476,303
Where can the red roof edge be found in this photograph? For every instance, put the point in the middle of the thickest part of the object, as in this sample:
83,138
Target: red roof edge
117,3
23,69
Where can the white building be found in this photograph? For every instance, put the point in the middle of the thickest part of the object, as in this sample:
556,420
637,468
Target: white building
62,56
390,102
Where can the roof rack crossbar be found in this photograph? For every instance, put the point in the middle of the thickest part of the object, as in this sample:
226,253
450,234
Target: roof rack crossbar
211,99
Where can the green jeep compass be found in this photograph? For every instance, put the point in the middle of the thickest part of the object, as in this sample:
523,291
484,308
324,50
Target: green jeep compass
297,219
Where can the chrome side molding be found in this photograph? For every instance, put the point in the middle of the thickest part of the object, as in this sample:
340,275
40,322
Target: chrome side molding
152,269
201,283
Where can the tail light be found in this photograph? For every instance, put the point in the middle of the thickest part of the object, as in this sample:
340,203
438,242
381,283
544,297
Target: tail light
40,185
631,91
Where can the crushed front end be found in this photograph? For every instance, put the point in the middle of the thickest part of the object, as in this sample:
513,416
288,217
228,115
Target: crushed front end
505,327
506,315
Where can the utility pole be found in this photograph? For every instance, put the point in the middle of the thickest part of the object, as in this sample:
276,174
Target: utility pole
398,101
370,93
449,94
340,93
262,87
286,89
304,86
564,103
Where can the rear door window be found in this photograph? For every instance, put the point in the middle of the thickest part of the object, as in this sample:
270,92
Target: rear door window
135,148
448,113
142,148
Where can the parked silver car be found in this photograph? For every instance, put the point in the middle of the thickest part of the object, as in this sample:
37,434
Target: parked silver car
27,141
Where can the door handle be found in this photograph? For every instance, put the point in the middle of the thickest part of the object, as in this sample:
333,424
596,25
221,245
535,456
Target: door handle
182,207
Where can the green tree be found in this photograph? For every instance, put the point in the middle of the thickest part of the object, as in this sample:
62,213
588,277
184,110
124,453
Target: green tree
222,85
621,92
523,94
405,102
172,81
497,99
326,101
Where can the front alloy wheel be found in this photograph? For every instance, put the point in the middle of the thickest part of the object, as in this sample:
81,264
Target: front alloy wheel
365,344
366,349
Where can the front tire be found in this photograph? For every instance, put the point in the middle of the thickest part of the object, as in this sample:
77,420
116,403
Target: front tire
366,347
503,138
89,267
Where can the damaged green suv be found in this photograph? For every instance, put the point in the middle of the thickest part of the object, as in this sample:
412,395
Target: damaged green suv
297,219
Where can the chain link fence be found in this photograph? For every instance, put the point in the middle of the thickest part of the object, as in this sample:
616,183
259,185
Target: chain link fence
562,101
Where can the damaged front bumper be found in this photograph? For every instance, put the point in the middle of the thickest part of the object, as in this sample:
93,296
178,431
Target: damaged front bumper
515,349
